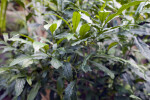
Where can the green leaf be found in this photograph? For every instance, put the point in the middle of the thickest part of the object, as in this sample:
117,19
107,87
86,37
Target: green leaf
53,28
62,19
86,17
78,42
135,97
5,36
60,85
20,59
75,20
39,55
56,63
8,48
125,6
67,70
34,91
4,69
30,39
27,62
84,65
29,80
19,86
104,69
103,15
143,47
84,29
112,45
16,38
38,45
69,90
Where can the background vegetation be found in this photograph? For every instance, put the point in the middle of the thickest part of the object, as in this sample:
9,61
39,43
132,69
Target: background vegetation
74,50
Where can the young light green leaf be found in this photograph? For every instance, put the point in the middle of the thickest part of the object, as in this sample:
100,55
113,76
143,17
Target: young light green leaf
103,15
20,60
86,18
104,69
53,27
125,6
38,45
84,29
56,63
75,20
19,86
34,91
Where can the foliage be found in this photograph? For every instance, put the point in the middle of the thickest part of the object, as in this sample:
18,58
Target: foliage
85,52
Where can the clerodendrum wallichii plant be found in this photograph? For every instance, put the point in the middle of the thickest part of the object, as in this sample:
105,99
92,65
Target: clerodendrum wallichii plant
83,58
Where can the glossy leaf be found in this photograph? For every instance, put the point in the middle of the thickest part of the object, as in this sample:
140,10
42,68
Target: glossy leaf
67,70
143,47
84,65
19,86
29,80
38,45
69,90
56,63
20,59
104,69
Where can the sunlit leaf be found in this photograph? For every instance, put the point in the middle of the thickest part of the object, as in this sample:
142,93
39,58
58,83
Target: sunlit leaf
56,63
38,45
75,20
125,6
84,29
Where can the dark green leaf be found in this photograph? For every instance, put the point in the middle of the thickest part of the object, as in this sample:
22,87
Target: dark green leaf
34,91
104,69
67,70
